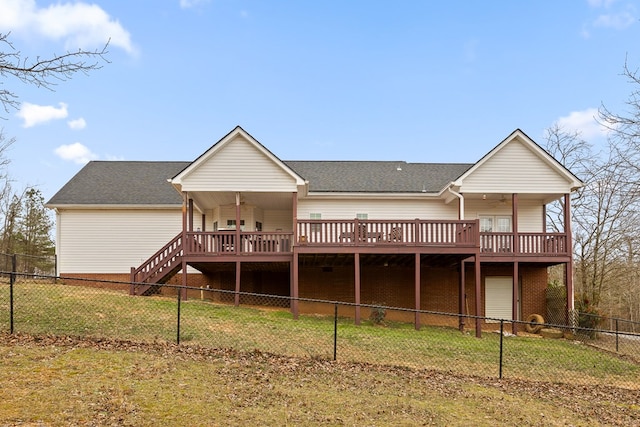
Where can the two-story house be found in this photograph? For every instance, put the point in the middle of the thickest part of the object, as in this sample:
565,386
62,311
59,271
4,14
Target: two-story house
459,238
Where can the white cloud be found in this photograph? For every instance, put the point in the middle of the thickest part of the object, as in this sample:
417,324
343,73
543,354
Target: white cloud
617,21
76,153
33,114
78,24
77,124
584,122
186,4
615,18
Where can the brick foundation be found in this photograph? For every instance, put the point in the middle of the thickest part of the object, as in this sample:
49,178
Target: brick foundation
391,286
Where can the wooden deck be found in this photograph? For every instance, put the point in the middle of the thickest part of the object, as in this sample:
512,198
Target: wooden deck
343,236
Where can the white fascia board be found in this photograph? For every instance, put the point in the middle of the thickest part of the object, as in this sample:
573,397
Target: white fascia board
113,207
381,196
303,190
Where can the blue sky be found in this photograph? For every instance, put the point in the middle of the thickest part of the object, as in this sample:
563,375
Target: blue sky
421,81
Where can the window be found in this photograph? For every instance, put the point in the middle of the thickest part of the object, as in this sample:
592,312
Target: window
315,216
500,241
495,224
362,216
231,223
486,224
503,224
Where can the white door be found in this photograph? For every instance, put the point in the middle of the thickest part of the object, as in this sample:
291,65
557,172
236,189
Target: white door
498,297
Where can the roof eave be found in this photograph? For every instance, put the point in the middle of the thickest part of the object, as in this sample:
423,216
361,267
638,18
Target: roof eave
376,195
110,206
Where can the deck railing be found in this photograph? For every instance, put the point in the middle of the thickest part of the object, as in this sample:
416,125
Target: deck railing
371,232
446,233
528,243
224,242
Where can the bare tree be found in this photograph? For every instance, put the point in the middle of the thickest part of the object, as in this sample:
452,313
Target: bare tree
7,214
626,125
43,72
625,139
605,215
575,154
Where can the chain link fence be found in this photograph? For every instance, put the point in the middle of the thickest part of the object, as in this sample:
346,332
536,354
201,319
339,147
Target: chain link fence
249,322
30,264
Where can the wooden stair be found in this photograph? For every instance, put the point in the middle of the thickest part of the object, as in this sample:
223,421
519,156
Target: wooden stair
158,269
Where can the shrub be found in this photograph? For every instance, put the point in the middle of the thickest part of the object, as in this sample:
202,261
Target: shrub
588,317
377,315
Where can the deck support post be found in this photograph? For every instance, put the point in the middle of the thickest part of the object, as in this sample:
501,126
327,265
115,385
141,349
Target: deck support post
461,297
294,208
132,287
569,250
294,286
516,250
478,296
516,298
514,219
417,291
237,293
356,264
237,231
185,201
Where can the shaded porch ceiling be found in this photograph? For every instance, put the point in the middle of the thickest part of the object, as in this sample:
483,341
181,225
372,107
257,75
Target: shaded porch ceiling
206,200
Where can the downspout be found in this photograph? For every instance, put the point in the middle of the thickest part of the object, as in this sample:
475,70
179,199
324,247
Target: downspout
58,242
460,199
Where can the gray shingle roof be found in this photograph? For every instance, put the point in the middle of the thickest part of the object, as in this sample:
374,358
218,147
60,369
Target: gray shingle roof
145,183
121,183
377,176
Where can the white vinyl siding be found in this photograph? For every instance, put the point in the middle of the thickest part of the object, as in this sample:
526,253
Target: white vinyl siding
530,216
112,241
278,220
239,166
498,300
515,169
378,209
529,213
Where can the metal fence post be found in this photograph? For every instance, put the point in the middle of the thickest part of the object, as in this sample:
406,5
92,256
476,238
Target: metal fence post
501,339
12,281
178,320
335,332
617,336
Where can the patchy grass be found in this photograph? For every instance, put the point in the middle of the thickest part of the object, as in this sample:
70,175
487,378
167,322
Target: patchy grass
57,309
67,381
63,381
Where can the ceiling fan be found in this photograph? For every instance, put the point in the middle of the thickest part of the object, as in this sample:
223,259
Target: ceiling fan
502,201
